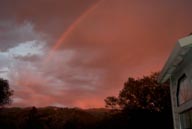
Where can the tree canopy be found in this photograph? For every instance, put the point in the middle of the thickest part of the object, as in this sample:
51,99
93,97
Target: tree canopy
142,93
5,92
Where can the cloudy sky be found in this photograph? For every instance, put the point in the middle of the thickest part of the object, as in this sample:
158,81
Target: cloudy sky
77,52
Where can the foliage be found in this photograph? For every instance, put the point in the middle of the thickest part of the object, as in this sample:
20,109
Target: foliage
142,93
111,102
5,92
50,118
71,118
142,101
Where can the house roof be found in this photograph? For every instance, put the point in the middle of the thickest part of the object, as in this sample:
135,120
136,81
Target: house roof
182,46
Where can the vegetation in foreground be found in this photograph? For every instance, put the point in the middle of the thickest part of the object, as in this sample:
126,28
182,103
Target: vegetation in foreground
73,118
142,103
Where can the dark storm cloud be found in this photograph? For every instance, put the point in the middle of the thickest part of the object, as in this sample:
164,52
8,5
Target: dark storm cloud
31,58
49,16
12,34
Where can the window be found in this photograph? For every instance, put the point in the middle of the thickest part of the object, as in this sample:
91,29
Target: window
184,93
186,119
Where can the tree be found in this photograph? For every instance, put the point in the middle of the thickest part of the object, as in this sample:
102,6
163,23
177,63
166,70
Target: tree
111,102
5,92
33,120
143,93
143,101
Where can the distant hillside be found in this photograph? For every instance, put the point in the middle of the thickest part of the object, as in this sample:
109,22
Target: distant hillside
76,118
50,117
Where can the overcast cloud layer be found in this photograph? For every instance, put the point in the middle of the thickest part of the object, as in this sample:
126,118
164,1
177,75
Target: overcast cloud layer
104,45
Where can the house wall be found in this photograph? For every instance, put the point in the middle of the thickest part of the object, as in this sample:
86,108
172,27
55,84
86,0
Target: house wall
184,68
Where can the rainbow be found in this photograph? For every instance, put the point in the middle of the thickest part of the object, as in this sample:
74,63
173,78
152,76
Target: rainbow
69,30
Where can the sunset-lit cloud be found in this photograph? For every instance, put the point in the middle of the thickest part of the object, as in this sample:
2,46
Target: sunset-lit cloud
100,44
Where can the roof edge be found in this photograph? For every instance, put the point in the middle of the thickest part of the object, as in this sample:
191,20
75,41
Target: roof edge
182,46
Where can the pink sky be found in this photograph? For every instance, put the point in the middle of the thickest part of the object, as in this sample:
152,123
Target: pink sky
75,53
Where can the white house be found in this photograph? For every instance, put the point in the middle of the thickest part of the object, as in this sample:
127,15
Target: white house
178,70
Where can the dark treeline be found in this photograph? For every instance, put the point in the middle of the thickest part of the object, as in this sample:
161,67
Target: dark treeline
73,118
142,103
50,118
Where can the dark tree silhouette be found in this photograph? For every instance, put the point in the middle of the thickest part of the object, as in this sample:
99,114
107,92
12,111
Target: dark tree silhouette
142,93
5,92
111,102
33,120
143,103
